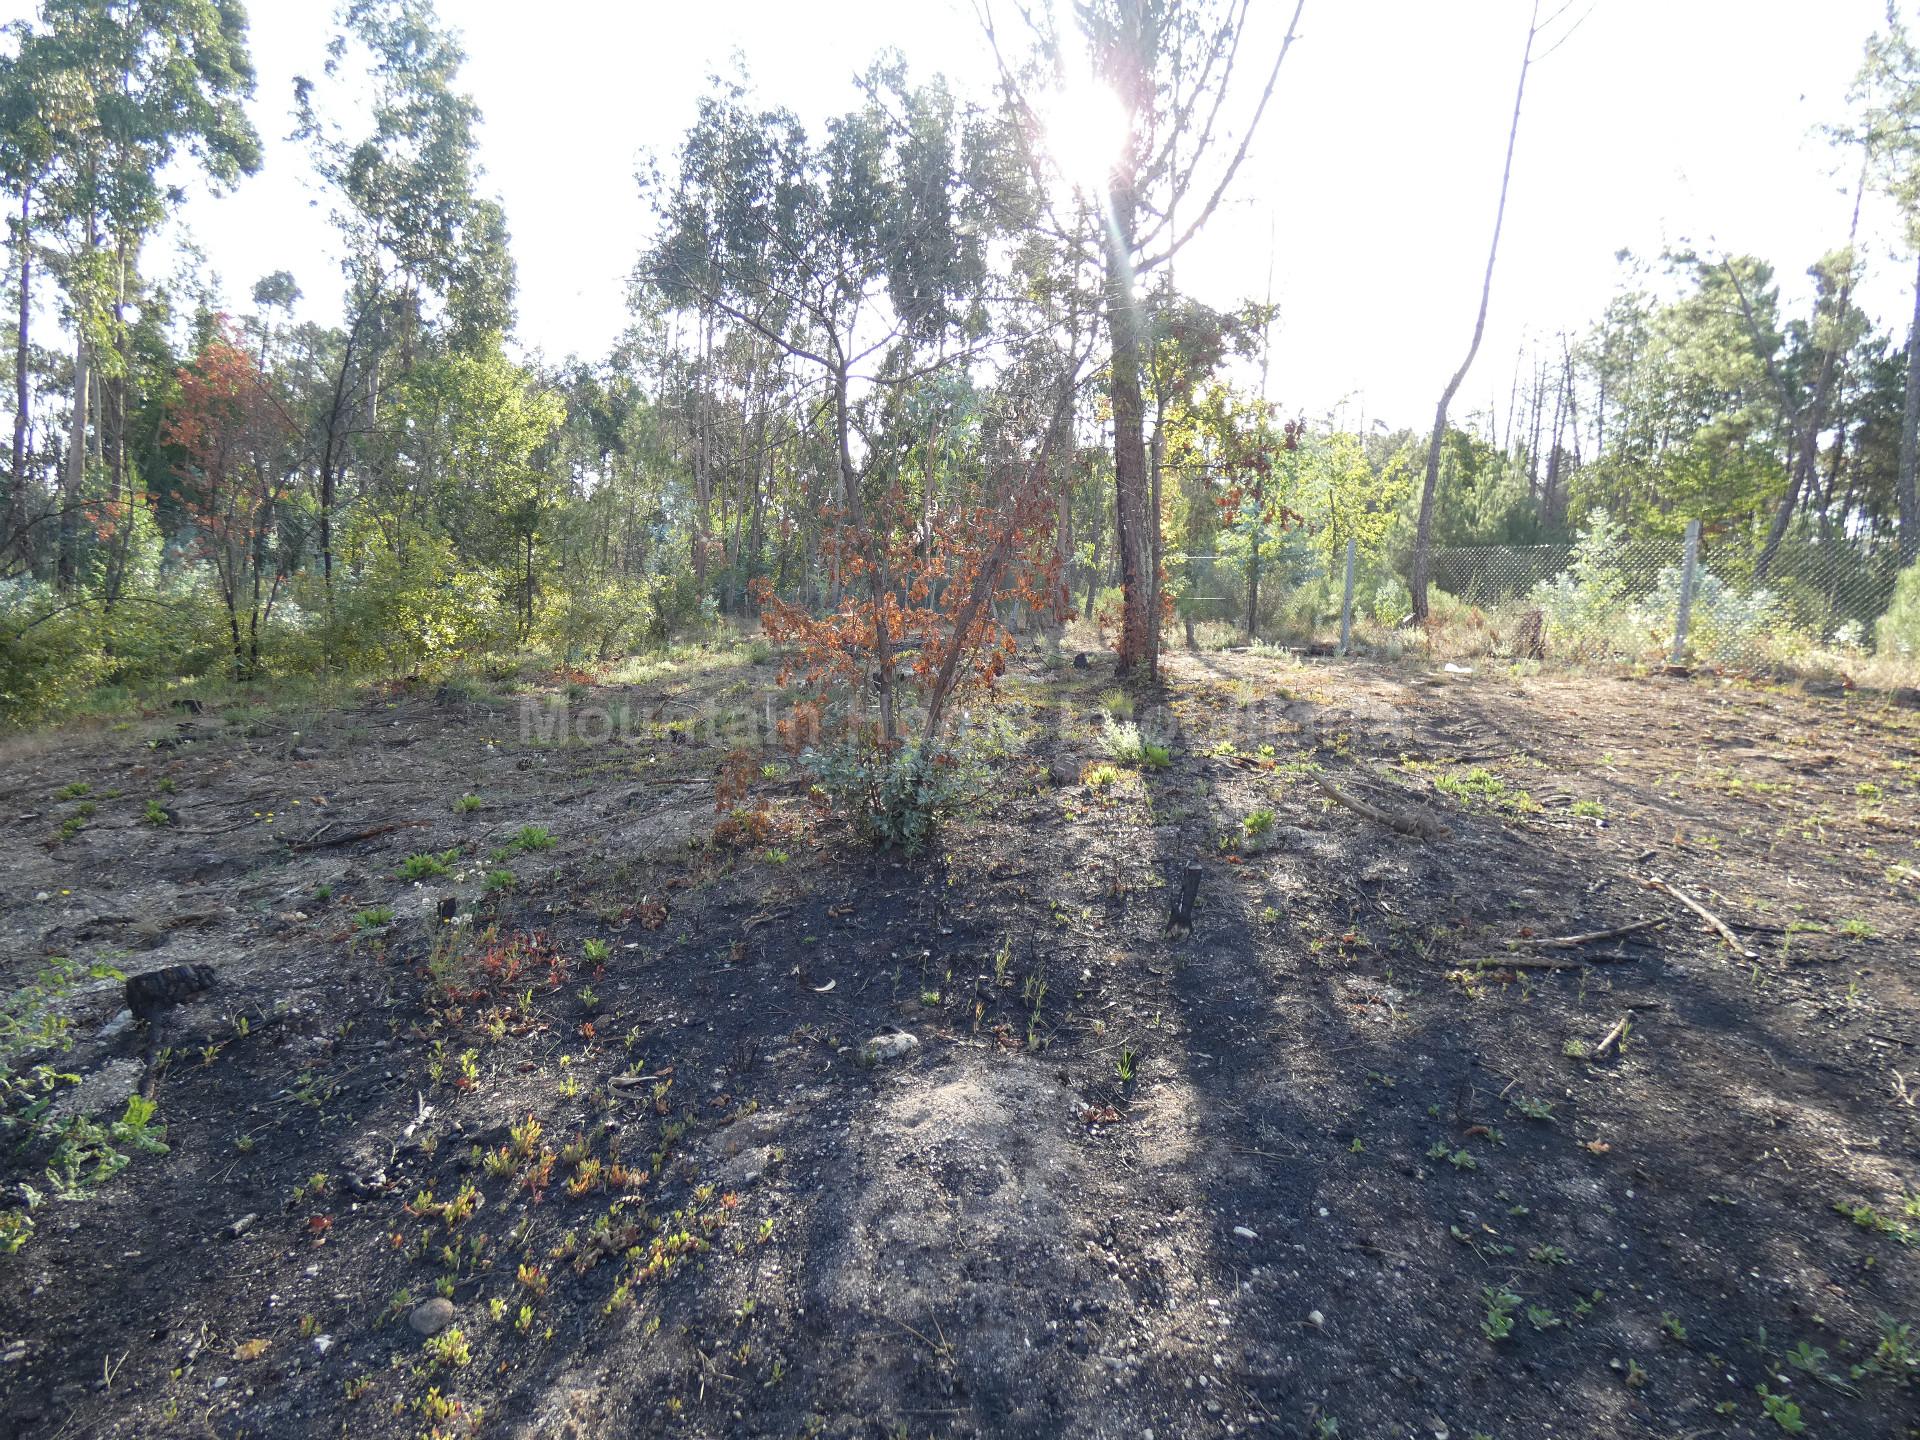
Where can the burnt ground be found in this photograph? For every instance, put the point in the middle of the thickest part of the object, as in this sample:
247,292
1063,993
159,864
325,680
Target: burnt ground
1327,1165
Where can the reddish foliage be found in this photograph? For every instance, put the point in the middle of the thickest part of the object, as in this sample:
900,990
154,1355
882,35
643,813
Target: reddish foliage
235,472
931,582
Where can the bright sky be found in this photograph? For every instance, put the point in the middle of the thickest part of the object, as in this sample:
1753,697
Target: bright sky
1375,173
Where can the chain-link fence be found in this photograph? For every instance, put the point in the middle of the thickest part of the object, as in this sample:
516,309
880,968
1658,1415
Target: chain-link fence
1607,597
1293,589
1693,600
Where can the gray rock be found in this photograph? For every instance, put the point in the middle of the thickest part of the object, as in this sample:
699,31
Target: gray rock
430,1317
117,1026
892,1045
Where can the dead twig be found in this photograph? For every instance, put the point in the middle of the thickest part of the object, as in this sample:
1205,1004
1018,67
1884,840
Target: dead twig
1714,922
314,842
1612,1039
941,1350
1574,942
1420,825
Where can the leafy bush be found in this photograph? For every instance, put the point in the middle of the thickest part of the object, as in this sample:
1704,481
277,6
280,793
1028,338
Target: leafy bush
1898,632
1123,741
892,798
1583,605
1724,625
1391,601
46,653
597,618
421,608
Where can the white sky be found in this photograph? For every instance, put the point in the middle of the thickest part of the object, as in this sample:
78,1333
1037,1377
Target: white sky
1376,171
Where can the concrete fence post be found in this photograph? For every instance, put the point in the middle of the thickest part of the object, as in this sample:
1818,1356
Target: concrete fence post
1689,556
1346,601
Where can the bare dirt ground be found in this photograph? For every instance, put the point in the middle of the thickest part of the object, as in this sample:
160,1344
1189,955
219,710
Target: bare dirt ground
1346,1160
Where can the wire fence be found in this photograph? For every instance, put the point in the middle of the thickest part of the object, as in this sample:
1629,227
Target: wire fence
1689,601
1607,597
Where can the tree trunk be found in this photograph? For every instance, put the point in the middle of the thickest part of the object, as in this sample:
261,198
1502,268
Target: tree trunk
16,496
1909,501
1807,458
1551,501
1130,514
1155,455
1423,531
113,422
1533,441
1807,452
66,567
1253,558
876,572
1093,565
702,476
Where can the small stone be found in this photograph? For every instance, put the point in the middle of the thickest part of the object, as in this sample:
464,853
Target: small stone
117,1026
892,1045
430,1317
242,1225
1316,1319
323,1343
1244,1233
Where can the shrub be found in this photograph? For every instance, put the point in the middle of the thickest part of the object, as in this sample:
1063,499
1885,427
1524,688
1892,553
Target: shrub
421,609
1391,601
34,1029
596,618
1898,632
673,605
1124,742
893,798
1583,605
425,866
46,653
1723,625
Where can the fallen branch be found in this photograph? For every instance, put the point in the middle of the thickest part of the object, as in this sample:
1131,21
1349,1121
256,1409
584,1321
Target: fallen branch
1714,922
316,843
1419,825
1613,1038
1574,942
1525,962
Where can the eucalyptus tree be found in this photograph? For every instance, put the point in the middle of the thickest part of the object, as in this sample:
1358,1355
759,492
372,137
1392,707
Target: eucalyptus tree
1423,530
26,155
133,86
1170,74
1889,91
852,255
426,253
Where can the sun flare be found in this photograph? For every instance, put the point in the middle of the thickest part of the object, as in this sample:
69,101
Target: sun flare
1087,128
